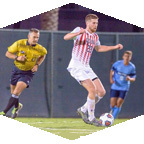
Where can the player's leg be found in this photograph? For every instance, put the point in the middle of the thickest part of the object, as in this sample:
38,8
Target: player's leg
89,106
120,101
100,90
18,106
17,91
12,87
23,83
90,87
113,101
113,106
81,75
92,90
117,107
20,86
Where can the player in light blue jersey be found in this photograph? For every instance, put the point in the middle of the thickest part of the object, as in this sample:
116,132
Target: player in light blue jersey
122,73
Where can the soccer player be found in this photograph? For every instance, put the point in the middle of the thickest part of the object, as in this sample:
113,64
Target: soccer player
28,56
121,74
85,40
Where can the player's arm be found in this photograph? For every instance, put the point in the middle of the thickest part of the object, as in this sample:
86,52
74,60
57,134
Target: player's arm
12,51
70,36
128,78
111,76
38,63
40,60
10,55
15,57
132,76
103,48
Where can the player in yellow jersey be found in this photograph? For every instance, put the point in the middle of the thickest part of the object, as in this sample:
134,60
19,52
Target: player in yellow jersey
28,56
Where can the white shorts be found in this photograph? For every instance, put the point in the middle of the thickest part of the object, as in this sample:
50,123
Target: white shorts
82,73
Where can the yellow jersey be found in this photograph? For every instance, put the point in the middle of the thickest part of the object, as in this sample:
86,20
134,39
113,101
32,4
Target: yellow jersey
32,53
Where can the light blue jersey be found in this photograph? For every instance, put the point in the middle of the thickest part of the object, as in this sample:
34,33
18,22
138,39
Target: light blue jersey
120,73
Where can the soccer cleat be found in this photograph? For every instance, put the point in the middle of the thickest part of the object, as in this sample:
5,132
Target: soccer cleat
2,113
15,111
95,122
83,115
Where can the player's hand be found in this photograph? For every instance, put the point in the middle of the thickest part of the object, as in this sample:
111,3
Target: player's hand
119,46
21,58
35,68
128,78
111,81
82,31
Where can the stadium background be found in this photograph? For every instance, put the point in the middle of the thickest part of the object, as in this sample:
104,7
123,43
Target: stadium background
53,92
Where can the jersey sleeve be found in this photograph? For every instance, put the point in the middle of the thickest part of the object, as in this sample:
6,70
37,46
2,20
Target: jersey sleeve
98,41
13,48
133,72
77,29
44,51
113,68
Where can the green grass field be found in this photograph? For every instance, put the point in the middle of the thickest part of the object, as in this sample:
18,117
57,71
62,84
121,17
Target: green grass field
70,128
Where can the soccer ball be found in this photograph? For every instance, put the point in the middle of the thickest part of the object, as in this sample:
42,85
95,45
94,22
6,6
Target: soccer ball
106,119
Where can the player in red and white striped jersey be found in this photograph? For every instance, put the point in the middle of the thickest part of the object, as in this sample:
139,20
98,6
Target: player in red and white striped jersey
85,40
84,45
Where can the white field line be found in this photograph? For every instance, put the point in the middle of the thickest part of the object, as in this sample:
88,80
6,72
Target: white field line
53,122
85,130
56,129
76,132
38,122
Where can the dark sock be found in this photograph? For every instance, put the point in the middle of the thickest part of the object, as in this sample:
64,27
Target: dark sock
11,103
17,104
116,111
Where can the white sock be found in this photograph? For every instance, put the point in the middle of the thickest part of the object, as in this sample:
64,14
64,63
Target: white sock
84,108
91,108
97,99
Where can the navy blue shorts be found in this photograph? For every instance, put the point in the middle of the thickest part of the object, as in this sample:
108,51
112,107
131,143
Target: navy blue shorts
118,93
19,75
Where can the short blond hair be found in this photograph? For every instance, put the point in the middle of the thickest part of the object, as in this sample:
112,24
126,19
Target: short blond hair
91,16
33,30
128,52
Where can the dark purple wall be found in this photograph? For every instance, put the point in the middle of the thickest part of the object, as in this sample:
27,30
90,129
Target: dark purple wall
72,15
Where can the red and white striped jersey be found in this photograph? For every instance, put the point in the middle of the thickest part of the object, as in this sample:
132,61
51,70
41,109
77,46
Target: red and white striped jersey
83,46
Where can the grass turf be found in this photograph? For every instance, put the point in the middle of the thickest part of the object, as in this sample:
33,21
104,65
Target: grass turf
70,128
